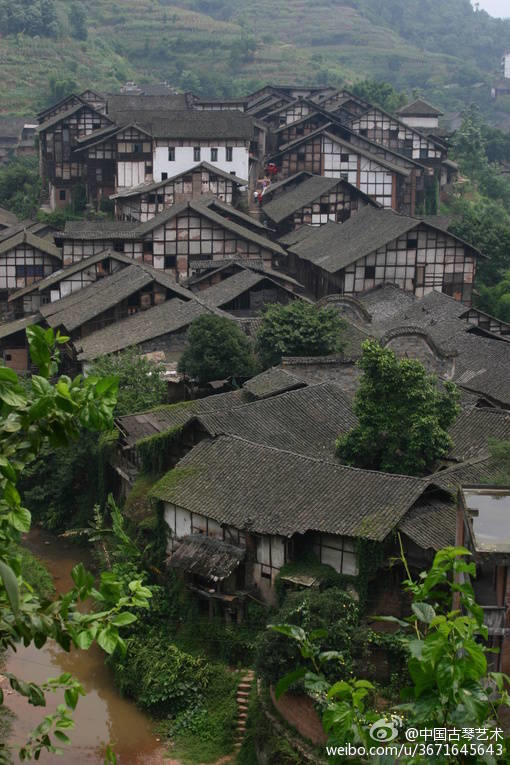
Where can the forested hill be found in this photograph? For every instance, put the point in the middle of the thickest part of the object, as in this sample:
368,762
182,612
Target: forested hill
444,48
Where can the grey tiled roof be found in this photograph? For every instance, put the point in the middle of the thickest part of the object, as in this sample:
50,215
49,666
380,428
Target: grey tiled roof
477,470
431,523
269,491
272,382
231,288
7,218
337,245
189,124
207,557
171,316
473,429
304,421
37,242
135,427
420,108
483,366
305,193
144,188
99,229
8,328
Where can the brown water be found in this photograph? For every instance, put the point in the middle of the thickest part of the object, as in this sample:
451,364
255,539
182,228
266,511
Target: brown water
103,716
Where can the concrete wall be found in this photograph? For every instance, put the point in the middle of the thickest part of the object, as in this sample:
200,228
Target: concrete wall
184,160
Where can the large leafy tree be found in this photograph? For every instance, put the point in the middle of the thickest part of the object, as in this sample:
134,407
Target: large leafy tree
403,415
33,414
298,329
217,349
469,142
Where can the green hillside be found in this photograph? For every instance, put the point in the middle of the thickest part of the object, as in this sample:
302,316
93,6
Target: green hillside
225,47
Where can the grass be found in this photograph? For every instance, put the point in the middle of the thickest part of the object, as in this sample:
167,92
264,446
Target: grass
205,733
36,574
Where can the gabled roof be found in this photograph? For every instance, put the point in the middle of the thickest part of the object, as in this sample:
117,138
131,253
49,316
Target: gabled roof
99,229
83,305
171,316
337,245
419,108
189,125
241,231
207,557
11,327
352,148
305,421
276,186
69,113
272,382
70,97
231,288
7,218
397,119
165,101
271,491
148,187
37,242
240,264
305,193
474,428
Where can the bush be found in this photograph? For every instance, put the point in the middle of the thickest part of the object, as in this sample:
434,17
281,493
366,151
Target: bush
332,610
298,329
159,676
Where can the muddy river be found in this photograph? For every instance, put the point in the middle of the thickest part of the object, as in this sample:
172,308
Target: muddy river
103,716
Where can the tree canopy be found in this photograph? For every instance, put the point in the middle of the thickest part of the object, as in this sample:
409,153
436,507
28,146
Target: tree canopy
298,329
218,349
403,416
32,415
141,385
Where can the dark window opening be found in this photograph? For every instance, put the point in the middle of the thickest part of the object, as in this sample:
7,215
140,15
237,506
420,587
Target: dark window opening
412,243
170,261
196,154
137,148
96,125
171,154
187,179
214,155
343,215
344,157
30,270
147,248
363,131
228,154
7,357
369,272
148,168
118,246
164,176
161,199
152,199
324,208
62,195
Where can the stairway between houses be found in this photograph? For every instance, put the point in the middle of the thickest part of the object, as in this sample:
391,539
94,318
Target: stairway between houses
243,698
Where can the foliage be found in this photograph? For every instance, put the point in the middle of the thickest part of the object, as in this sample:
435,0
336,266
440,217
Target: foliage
218,349
36,574
500,451
204,732
450,683
380,93
298,329
496,300
403,416
469,142
20,186
158,675
78,21
141,385
153,450
332,613
32,415
32,17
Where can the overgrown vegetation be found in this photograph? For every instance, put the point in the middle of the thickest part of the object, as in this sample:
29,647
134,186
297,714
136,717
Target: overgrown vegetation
20,187
298,329
217,349
403,415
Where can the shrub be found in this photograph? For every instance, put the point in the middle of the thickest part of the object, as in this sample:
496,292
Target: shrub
332,610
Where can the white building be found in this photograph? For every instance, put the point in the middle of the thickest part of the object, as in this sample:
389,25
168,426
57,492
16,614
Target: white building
505,65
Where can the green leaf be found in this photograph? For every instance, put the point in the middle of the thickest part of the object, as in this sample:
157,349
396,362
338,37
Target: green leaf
20,519
8,375
424,612
11,585
341,688
289,679
122,620
62,737
107,639
71,697
289,630
84,640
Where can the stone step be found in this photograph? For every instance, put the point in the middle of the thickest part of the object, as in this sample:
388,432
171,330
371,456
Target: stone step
243,695
244,686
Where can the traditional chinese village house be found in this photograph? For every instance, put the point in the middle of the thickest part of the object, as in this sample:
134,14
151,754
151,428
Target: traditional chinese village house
420,114
24,259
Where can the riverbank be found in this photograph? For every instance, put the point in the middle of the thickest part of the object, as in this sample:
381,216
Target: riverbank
103,716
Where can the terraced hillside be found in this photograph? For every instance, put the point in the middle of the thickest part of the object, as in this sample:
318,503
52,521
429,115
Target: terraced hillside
231,46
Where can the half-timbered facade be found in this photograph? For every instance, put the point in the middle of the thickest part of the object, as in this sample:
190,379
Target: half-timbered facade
144,202
24,259
314,201
377,246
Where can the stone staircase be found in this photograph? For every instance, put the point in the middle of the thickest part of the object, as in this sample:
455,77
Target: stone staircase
243,698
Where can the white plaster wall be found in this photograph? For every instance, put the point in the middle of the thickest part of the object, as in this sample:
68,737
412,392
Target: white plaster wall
506,66
421,122
184,160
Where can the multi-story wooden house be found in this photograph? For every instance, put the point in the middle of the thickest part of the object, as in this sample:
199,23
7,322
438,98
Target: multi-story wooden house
24,259
314,200
182,240
421,115
61,169
144,202
377,246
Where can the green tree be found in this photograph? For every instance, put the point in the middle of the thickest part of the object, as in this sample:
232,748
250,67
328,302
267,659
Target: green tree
20,186
469,145
217,349
449,685
403,416
496,300
298,329
380,93
141,384
32,415
78,21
